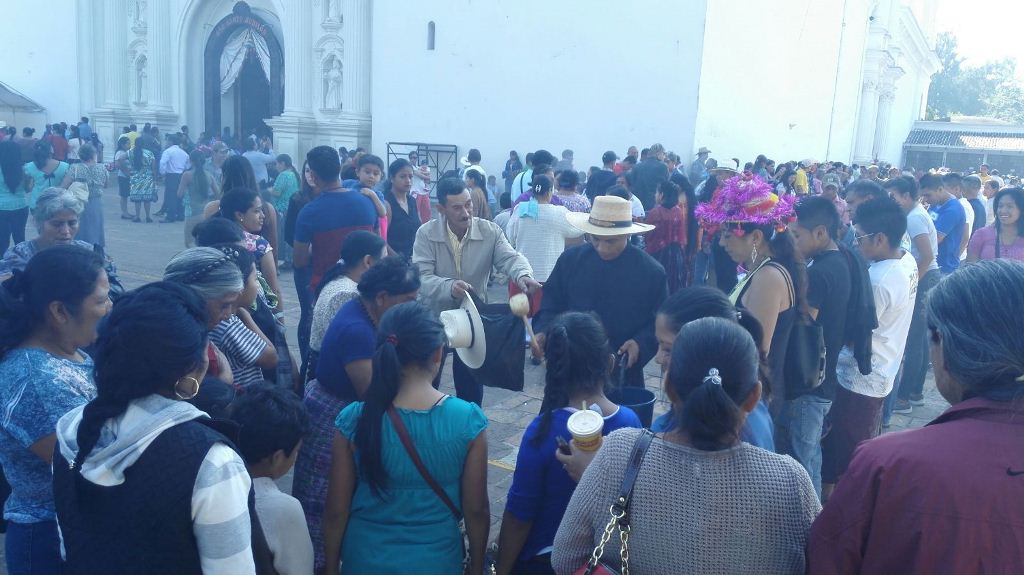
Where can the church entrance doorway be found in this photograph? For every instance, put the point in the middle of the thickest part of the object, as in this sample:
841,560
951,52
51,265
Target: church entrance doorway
243,75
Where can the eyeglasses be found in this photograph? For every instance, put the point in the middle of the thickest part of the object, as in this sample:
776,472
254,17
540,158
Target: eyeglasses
857,239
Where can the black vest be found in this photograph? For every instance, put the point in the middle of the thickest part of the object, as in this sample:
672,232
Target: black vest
143,525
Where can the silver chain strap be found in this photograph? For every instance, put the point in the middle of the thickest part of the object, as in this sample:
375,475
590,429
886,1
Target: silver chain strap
618,512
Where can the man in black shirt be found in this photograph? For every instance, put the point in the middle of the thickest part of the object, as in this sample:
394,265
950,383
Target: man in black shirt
798,429
650,172
603,179
971,186
611,278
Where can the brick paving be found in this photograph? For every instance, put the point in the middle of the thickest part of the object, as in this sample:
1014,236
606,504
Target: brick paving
141,250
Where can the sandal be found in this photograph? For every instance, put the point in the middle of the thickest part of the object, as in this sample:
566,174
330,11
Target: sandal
136,219
127,217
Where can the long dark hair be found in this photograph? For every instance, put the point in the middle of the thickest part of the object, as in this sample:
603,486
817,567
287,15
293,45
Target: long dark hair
236,173
154,336
200,179
395,167
576,348
356,246
784,253
714,370
408,335
478,179
138,153
10,165
287,161
1017,195
64,273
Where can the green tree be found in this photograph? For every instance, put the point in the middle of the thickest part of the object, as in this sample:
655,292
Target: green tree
987,89
1007,102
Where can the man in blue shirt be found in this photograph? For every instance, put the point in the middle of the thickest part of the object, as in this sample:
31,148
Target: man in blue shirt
949,218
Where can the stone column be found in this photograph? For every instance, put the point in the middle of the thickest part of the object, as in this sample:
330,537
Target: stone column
356,88
159,60
299,79
115,52
885,100
866,119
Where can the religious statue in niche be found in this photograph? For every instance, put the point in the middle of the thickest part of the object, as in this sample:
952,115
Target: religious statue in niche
141,88
332,11
138,14
332,85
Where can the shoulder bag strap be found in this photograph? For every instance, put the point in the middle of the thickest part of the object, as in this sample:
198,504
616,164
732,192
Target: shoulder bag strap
789,281
403,435
636,458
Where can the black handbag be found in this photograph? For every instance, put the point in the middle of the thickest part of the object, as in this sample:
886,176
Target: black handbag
804,369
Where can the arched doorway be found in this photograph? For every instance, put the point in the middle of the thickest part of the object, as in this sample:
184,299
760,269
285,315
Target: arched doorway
243,74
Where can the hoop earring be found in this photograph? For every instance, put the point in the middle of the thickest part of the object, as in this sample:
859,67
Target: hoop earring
183,396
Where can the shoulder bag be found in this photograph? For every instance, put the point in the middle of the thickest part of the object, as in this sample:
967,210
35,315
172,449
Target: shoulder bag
805,352
619,514
403,435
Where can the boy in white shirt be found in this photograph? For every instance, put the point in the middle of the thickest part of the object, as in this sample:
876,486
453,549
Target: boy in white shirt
272,423
857,410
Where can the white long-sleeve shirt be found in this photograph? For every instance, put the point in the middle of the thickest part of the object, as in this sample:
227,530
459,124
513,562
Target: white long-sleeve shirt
284,526
174,160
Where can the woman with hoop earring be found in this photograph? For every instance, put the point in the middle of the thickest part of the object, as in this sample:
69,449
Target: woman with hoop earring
144,482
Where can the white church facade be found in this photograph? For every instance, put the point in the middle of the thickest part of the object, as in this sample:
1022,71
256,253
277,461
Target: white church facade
836,79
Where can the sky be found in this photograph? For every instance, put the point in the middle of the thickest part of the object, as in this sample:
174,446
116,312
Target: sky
981,36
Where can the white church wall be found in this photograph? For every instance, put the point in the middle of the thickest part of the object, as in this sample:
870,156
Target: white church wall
40,59
769,80
589,75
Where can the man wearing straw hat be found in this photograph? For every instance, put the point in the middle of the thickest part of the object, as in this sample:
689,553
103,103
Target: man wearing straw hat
611,278
455,253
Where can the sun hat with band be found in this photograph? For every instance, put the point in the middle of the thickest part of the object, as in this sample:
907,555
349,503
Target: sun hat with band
609,216
464,329
746,199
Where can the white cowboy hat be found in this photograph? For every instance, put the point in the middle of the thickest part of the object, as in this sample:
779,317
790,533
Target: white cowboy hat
609,216
465,332
703,150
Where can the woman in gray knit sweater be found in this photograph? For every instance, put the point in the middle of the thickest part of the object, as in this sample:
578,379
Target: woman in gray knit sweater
704,502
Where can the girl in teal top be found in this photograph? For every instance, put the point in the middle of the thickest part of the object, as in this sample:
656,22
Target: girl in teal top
381,515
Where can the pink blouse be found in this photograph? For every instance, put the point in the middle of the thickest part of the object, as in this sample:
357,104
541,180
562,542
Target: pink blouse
983,246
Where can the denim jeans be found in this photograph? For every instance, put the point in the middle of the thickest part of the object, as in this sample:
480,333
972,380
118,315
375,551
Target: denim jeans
33,549
12,227
798,433
302,278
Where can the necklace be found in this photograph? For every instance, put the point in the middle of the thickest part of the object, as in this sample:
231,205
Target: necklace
366,310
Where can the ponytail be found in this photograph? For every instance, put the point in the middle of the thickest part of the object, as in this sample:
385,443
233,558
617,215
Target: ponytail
576,362
540,186
408,335
714,370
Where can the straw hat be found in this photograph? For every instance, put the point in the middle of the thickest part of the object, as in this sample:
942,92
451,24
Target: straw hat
465,333
609,216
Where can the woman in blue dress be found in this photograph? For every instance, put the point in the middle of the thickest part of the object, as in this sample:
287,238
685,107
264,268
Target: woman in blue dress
44,172
382,516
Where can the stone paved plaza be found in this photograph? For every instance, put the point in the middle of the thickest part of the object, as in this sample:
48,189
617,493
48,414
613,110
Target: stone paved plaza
141,250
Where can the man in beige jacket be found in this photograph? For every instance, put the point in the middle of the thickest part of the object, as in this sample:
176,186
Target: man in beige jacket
455,253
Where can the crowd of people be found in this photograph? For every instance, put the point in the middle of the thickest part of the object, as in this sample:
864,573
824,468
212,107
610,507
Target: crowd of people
792,308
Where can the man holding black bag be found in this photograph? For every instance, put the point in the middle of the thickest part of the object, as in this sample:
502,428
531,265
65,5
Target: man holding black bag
455,254
798,428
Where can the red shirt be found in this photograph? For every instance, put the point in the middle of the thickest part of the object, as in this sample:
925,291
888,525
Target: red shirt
946,498
60,146
669,228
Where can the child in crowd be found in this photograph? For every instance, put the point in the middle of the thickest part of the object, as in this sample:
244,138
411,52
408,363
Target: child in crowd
857,408
369,171
578,365
492,194
246,347
502,217
272,423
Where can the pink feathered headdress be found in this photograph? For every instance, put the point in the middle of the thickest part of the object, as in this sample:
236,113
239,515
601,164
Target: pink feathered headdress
746,199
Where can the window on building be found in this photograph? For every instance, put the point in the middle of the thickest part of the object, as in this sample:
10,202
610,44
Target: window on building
430,35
